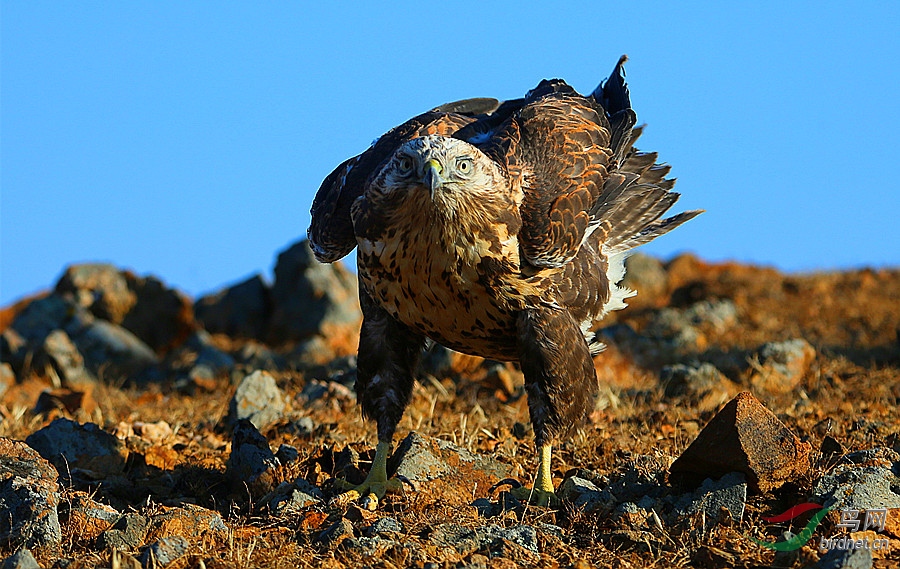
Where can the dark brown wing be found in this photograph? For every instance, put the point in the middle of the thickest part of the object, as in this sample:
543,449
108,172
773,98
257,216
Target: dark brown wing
556,148
574,159
331,229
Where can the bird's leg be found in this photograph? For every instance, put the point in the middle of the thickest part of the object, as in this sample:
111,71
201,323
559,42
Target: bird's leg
560,381
542,494
388,354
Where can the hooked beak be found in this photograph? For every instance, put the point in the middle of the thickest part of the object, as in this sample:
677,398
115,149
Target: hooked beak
432,176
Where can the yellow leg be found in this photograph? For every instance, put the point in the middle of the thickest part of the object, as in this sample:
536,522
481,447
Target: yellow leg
376,484
542,494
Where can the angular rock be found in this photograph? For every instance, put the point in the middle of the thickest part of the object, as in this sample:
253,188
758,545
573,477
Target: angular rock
29,497
255,356
7,377
845,559
858,488
192,521
385,525
127,533
198,356
159,316
715,498
59,351
69,445
164,551
43,315
22,559
251,460
292,497
586,495
309,297
100,288
86,517
421,459
782,365
702,385
744,437
257,400
14,354
647,276
486,538
336,533
65,400
111,351
239,311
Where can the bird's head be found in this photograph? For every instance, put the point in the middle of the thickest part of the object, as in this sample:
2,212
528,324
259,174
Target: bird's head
450,171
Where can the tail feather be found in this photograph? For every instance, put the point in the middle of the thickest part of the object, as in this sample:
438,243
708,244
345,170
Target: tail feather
650,232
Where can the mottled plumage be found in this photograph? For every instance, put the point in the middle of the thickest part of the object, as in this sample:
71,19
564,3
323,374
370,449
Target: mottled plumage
498,230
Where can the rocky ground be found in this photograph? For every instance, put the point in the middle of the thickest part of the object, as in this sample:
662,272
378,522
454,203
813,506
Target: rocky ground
140,428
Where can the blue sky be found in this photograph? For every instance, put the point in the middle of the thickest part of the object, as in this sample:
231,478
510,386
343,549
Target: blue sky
187,139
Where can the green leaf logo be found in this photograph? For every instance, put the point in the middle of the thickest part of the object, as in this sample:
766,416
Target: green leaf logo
801,538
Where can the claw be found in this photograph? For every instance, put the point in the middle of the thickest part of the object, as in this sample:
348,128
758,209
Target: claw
374,487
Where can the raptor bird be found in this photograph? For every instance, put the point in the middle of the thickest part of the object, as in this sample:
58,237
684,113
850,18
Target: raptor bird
498,230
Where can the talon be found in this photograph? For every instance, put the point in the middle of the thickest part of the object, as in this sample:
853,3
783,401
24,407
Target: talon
536,497
505,482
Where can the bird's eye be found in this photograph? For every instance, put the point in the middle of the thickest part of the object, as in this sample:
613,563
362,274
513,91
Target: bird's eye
405,164
464,165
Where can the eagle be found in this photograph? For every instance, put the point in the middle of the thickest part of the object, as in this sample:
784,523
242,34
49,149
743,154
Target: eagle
498,230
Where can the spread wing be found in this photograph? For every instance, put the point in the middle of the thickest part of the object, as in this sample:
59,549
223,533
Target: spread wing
331,229
574,159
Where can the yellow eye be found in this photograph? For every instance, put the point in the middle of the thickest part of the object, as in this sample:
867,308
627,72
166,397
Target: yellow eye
464,165
405,164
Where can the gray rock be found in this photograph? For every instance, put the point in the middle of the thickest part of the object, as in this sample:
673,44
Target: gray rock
337,532
703,385
302,426
251,460
7,377
208,354
100,288
253,355
22,559
858,487
369,547
89,517
14,351
287,454
239,311
159,316
111,351
310,353
59,352
385,525
164,551
728,493
292,497
585,495
258,400
127,533
782,365
42,316
419,459
29,497
467,540
646,275
310,297
845,559
69,446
